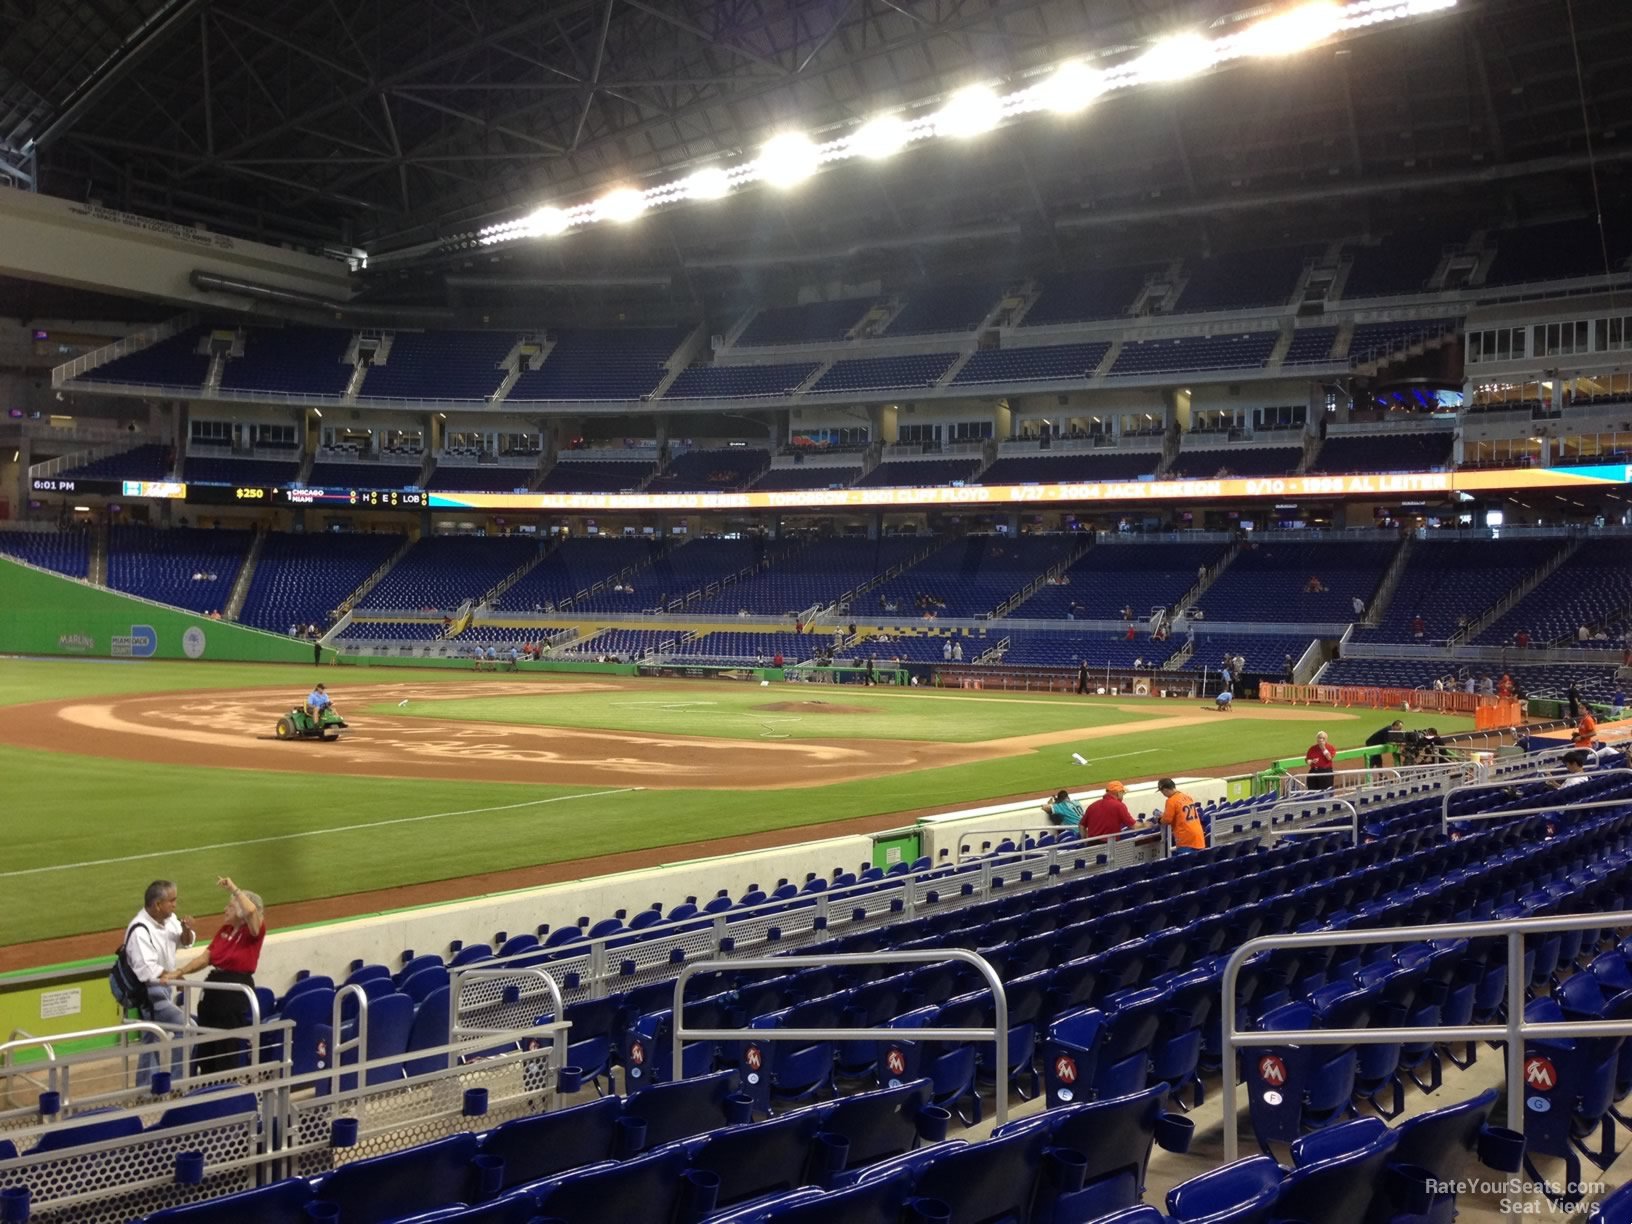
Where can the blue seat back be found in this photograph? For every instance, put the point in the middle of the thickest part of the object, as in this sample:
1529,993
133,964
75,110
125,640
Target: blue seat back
429,1030
278,1203
549,1144
390,1022
207,1106
682,1108
400,1183
878,1124
649,1187
1337,1189
72,1133
759,1159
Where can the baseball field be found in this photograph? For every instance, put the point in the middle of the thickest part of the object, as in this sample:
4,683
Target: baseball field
452,784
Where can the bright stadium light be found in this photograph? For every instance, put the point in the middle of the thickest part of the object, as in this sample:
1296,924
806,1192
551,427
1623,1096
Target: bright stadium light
622,205
710,183
545,222
879,138
969,112
787,160
1072,87
1292,31
792,157
1175,58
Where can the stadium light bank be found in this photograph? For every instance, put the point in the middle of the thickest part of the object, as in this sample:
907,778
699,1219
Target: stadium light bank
791,157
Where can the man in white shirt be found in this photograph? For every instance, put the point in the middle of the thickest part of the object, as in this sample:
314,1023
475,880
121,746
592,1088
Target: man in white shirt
1575,770
151,940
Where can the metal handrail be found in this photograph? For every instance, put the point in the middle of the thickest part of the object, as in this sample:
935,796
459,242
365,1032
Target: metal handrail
1513,1032
997,1034
1445,816
236,987
1584,805
1354,819
1027,831
464,974
6,1062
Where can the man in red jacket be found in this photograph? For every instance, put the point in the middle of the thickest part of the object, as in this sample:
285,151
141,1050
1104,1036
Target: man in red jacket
1108,815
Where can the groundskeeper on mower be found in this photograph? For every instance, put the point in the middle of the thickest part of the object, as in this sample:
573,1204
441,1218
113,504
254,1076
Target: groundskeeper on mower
298,724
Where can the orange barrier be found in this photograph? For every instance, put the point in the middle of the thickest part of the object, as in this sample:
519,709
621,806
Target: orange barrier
1501,712
1392,699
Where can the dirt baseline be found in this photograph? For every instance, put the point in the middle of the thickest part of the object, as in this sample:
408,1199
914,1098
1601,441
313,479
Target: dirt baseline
231,729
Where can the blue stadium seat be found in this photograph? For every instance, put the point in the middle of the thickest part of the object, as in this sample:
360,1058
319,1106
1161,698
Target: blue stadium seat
549,1144
279,1203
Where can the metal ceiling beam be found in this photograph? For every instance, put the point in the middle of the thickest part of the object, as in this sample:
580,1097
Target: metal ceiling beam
477,120
396,148
300,49
594,74
146,39
680,23
403,76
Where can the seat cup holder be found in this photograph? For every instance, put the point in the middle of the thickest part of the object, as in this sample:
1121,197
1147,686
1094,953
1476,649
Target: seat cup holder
1501,1149
343,1133
322,1211
1070,1168
569,1080
189,1168
739,1109
702,1192
933,1123
835,1152
1412,1187
14,1204
1174,1132
929,1211
487,1176
631,1135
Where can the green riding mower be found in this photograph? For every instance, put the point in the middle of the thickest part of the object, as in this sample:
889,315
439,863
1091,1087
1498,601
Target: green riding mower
297,724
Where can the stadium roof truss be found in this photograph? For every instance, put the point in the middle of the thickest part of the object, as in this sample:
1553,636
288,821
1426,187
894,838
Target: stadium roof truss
390,125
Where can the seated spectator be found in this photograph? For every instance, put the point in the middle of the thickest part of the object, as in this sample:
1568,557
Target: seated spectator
1063,810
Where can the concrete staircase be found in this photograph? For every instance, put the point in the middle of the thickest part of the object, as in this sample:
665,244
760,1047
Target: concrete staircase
1384,594
1189,598
373,580
695,342
1181,656
246,575
515,576
96,568
1051,574
1480,623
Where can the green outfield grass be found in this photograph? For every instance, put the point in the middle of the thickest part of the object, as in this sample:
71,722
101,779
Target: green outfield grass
85,834
746,712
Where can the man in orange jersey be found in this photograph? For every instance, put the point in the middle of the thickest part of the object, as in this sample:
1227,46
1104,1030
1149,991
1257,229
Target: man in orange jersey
1183,815
1586,730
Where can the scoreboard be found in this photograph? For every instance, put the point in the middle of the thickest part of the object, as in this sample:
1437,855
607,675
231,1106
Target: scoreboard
276,495
232,495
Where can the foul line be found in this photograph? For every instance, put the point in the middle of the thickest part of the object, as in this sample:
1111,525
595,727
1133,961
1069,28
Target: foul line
260,841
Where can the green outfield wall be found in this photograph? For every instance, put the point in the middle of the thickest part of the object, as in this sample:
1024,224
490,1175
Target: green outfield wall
46,614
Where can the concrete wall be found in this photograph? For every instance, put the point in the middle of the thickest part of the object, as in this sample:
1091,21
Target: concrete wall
68,243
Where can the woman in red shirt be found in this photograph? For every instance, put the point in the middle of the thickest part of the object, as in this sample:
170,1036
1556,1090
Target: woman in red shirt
1319,758
232,956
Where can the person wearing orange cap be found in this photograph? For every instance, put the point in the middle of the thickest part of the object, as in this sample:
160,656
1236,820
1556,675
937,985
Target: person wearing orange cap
1108,815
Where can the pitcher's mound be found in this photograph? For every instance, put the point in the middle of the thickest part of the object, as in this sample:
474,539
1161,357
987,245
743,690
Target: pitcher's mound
812,707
